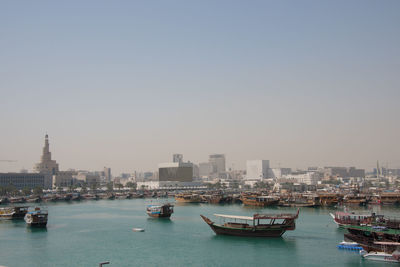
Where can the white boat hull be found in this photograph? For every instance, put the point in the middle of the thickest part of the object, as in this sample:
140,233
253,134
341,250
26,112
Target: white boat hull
380,256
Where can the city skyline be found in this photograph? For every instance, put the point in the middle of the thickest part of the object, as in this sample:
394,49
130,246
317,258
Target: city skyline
126,86
172,159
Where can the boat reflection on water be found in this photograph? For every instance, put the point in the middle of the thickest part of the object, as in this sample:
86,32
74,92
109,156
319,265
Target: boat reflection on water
36,229
165,221
195,204
287,243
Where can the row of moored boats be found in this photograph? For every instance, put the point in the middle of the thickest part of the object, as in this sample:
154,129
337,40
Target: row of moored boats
291,199
378,236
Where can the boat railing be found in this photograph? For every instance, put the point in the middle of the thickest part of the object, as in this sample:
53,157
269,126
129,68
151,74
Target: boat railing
276,216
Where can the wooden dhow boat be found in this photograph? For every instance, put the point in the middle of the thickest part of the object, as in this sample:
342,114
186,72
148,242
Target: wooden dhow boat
261,225
259,200
36,218
351,218
160,211
300,200
12,213
371,238
188,198
360,200
329,199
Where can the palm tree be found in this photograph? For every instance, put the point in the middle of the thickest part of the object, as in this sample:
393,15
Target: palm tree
119,186
131,185
110,186
38,191
26,191
84,188
94,186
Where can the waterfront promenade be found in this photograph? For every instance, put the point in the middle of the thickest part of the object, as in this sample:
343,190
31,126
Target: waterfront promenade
88,232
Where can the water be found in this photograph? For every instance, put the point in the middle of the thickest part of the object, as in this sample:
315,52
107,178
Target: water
89,232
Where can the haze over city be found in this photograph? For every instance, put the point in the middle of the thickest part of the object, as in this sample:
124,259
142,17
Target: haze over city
127,85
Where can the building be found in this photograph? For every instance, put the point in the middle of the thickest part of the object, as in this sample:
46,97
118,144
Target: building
179,175
175,171
23,180
177,158
217,162
344,172
277,173
47,166
303,177
107,174
257,169
64,179
205,169
92,179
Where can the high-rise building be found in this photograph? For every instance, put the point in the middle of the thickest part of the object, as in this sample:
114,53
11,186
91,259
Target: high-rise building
107,174
257,169
217,162
47,166
205,169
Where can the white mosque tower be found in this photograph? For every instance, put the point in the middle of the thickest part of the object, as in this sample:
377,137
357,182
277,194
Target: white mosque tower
47,165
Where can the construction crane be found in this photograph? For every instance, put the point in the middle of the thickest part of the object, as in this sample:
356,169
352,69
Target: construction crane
8,160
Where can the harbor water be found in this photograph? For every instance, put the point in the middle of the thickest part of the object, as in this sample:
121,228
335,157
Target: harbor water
86,233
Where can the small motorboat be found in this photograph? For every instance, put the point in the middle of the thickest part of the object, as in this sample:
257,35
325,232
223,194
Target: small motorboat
138,229
349,245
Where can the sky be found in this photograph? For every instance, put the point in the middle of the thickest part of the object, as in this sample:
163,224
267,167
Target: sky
125,84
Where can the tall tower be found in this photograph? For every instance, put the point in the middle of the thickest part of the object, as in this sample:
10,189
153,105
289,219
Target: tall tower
46,165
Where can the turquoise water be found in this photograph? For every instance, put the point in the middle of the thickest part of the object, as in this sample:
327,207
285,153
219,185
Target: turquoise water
89,232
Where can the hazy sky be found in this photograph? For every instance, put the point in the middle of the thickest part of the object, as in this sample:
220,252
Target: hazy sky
126,84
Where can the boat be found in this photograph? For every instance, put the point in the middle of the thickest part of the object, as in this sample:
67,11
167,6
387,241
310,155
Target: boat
360,200
378,222
160,211
349,246
259,200
188,198
12,213
389,198
4,200
299,200
34,199
212,199
90,197
138,229
36,218
371,237
329,199
17,200
261,225
381,256
351,218
76,196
